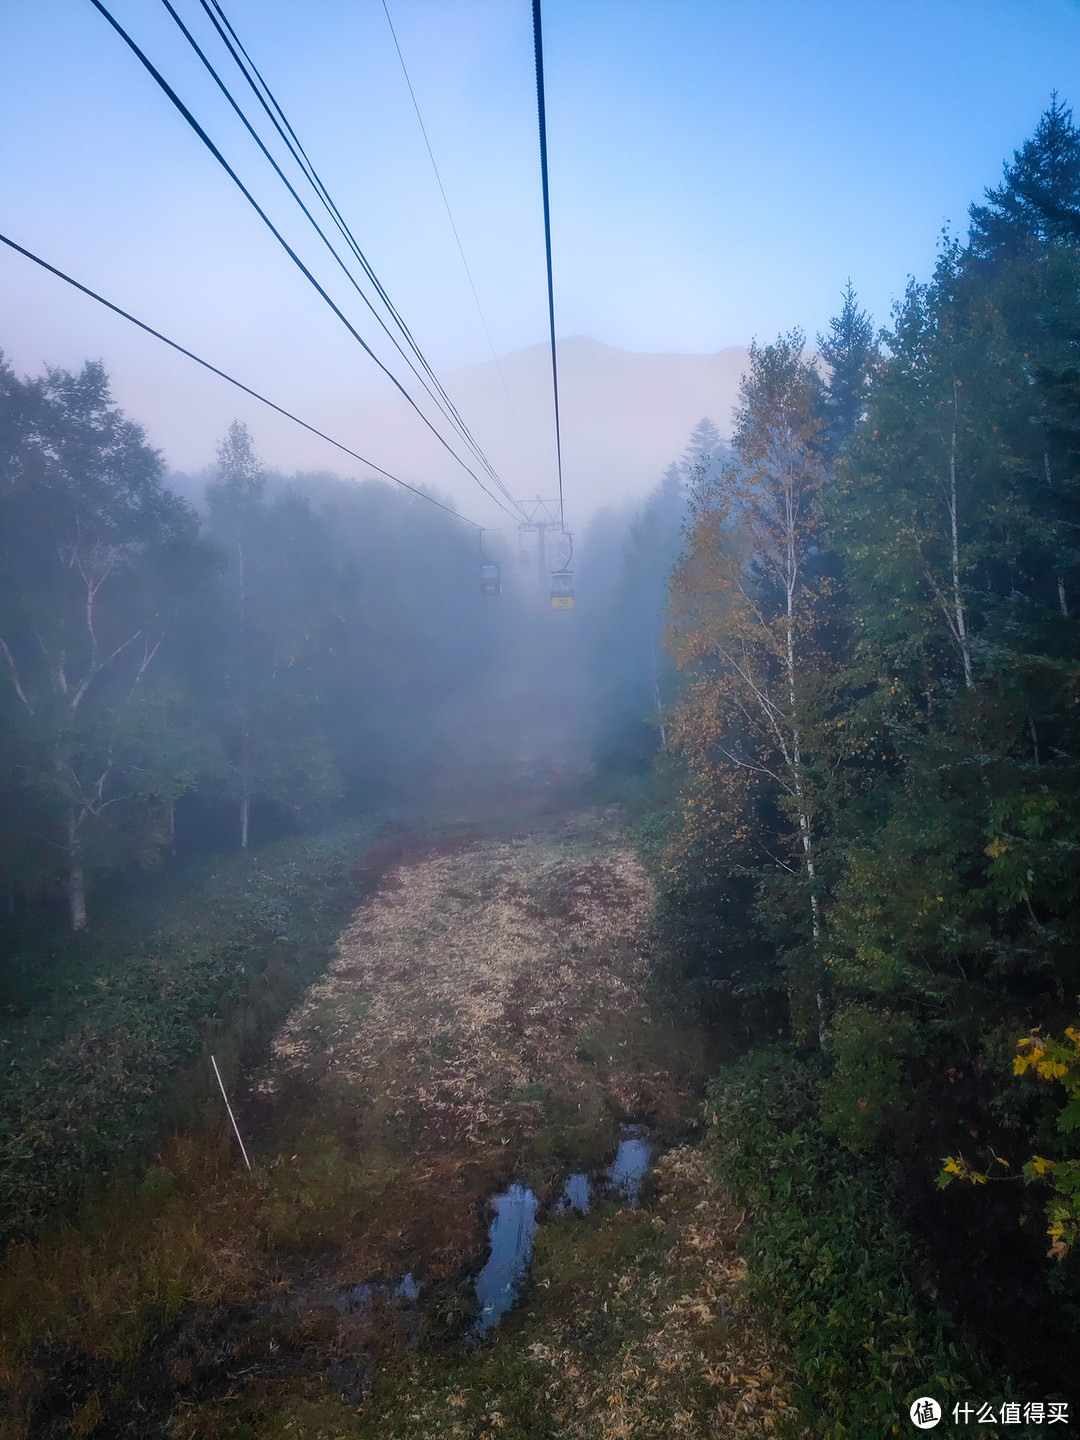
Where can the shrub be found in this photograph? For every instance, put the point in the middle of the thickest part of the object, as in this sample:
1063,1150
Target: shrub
826,1254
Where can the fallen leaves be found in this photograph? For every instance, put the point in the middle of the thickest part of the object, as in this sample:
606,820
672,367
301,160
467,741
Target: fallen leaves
465,990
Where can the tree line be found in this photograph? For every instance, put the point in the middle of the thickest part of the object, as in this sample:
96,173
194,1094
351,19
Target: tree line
289,647
875,619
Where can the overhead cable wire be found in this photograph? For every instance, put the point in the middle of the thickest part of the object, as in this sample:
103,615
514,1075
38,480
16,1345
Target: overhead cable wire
280,121
451,415
126,315
205,138
449,212
538,47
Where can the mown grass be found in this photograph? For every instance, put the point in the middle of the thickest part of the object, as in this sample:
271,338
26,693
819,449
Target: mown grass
194,1298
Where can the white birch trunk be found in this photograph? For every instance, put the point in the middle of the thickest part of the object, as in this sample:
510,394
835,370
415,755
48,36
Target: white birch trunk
656,696
958,603
76,881
806,832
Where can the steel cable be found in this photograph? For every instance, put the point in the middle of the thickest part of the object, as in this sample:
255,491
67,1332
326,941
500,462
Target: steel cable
266,98
202,134
538,47
126,315
450,414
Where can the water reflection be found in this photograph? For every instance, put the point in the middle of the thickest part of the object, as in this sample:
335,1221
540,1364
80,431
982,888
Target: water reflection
631,1163
511,1237
511,1232
576,1195
623,1176
354,1298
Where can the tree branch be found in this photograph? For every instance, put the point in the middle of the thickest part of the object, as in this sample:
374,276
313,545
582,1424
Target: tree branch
19,691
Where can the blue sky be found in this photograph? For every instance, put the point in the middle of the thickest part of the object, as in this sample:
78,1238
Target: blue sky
718,171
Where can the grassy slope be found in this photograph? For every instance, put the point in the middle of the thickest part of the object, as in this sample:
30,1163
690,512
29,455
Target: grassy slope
635,1325
370,1160
198,1299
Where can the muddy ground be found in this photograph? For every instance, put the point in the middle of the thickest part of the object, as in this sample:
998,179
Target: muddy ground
495,1009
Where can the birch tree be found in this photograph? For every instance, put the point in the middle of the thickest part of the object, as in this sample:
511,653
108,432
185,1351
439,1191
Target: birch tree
96,557
747,604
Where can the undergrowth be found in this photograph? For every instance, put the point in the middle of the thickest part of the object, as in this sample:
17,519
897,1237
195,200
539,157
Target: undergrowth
828,1257
632,1325
108,1048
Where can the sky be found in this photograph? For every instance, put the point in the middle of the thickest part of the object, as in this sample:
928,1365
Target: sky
719,169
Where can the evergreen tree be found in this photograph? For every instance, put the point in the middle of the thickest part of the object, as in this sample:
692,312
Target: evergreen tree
848,350
624,633
705,452
1038,202
276,581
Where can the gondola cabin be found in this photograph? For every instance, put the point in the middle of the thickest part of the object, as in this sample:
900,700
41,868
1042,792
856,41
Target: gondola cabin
562,590
490,578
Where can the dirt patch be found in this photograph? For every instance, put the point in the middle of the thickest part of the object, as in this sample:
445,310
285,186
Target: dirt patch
483,989
668,1347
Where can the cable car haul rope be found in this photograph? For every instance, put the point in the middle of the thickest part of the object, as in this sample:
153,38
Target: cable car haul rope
544,517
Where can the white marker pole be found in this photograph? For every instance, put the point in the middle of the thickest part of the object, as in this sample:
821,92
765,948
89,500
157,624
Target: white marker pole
232,1117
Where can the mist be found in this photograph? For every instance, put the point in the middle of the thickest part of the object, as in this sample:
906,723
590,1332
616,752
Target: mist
539,744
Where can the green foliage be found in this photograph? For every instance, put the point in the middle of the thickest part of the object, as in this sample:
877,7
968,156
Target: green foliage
869,1083
157,665
827,1256
1059,1063
920,737
215,969
98,561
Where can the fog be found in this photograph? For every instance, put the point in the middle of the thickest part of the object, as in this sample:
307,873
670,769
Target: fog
625,416
539,745
259,649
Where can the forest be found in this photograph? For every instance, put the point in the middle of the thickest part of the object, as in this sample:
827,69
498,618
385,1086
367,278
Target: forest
213,672
874,623
830,670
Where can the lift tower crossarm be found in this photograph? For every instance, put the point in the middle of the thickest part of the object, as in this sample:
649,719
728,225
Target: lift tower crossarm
541,516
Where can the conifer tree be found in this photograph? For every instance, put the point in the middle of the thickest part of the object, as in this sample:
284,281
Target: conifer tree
276,581
1038,202
704,449
848,350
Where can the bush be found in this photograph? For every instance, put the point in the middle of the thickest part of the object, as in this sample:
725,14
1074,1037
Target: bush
827,1255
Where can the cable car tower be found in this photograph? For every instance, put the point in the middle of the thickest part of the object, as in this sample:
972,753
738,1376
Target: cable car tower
545,517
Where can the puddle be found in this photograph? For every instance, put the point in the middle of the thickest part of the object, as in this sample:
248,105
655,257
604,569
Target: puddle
407,1288
511,1237
623,1176
631,1163
576,1195
511,1232
355,1298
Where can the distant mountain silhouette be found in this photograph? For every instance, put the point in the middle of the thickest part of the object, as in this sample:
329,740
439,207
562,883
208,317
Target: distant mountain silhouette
625,417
